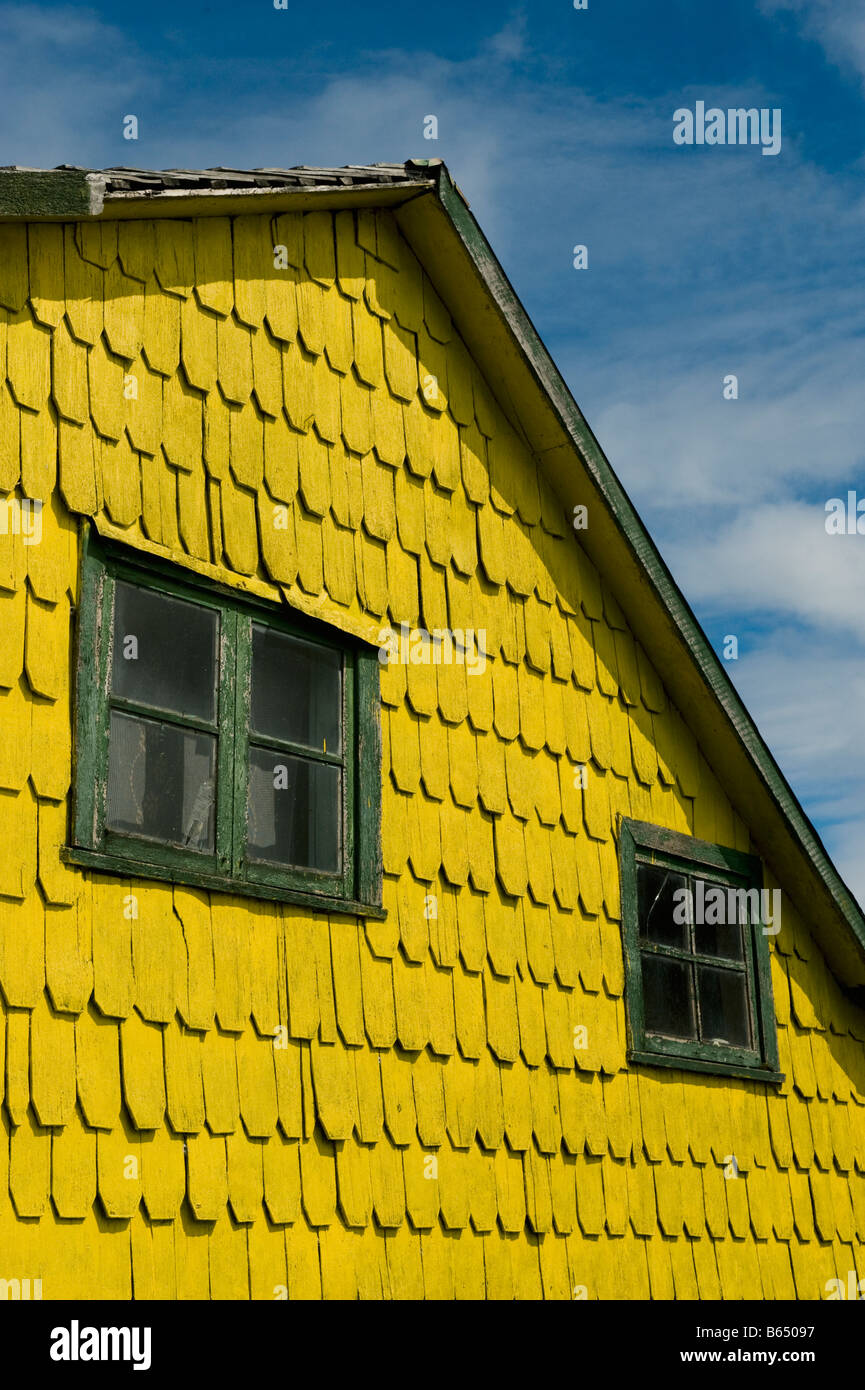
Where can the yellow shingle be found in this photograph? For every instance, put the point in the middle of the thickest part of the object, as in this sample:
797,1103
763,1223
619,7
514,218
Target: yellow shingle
123,312
14,283
214,273
28,360
575,710
245,1176
163,1175
118,1163
69,375
436,316
252,268
620,742
17,1049
425,839
73,1170
353,1182
234,359
502,1024
143,1071
540,871
387,1181
349,256
454,1193
281,1169
400,359
412,1019
160,330
554,717
400,432
441,1009
219,1079
198,345
52,1065
16,747
207,1170
378,1003
38,454
22,923
325,399
184,1089
469,1013
318,1180
368,1110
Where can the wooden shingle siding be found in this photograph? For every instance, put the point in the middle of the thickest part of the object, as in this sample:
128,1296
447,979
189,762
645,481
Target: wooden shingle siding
165,379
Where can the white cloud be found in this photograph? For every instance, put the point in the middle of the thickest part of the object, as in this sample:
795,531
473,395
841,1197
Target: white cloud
774,559
67,80
845,844
837,25
805,686
808,694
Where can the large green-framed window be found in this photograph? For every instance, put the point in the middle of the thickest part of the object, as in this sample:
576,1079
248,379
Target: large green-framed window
220,743
698,988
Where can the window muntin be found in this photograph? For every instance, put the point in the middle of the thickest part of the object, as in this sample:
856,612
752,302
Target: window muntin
220,742
703,963
697,958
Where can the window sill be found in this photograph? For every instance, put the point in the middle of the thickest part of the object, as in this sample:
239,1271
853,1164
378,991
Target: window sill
684,1063
129,868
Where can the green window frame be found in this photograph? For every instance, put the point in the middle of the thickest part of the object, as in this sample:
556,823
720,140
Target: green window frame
225,858
690,961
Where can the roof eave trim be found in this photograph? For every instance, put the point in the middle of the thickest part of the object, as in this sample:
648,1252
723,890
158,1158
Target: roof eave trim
75,194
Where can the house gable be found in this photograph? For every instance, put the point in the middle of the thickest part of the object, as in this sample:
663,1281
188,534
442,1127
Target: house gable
340,390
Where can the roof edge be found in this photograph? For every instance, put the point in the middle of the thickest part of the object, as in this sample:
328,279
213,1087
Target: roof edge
67,193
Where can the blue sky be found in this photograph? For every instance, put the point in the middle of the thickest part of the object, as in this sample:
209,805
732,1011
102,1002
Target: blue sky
557,124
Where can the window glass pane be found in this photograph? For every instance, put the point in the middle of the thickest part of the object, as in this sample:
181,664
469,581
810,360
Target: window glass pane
722,937
161,781
296,690
667,1004
294,811
164,652
724,1010
660,895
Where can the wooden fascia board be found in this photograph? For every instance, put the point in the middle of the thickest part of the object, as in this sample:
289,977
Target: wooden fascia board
531,391
49,194
235,202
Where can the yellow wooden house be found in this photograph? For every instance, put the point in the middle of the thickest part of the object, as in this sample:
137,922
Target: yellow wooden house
396,900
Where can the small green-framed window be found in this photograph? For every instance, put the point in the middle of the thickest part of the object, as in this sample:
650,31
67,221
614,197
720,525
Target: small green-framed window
220,743
698,978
